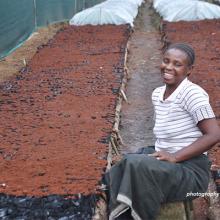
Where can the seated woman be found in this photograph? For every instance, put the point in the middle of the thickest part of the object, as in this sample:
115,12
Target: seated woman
185,128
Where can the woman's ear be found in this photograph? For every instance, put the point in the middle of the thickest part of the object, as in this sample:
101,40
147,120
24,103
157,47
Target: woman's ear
190,70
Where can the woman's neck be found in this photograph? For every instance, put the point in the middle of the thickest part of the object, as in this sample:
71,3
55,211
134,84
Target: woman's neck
168,91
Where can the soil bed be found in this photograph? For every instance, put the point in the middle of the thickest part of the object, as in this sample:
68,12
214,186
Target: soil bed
57,115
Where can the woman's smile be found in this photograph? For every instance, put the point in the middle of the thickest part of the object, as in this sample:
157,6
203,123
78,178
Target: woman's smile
168,76
174,68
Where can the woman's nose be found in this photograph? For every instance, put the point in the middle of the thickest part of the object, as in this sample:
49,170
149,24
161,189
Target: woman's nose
169,66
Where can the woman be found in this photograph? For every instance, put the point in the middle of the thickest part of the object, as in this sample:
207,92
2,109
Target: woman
185,128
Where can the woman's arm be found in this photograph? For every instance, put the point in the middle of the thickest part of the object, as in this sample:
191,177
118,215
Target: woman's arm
211,136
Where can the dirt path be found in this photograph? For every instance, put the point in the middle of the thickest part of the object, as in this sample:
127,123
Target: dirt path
143,64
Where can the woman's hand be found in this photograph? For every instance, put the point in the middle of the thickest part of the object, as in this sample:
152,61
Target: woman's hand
163,155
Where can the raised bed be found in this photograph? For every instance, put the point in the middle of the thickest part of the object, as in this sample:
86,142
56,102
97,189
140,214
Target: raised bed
57,118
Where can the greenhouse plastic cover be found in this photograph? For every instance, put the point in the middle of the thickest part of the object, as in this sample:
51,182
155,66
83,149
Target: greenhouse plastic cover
109,12
187,10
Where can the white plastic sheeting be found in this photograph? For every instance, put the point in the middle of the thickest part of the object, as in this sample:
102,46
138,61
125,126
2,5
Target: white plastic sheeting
120,7
164,7
136,2
187,10
158,4
109,12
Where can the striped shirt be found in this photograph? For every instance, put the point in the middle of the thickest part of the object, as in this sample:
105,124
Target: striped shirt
177,116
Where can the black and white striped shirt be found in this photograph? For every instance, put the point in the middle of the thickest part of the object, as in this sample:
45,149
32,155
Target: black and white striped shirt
177,116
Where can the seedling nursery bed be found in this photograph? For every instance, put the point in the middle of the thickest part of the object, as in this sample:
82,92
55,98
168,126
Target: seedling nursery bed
57,116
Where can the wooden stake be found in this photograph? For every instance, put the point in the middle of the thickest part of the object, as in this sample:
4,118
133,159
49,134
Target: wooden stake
123,95
114,146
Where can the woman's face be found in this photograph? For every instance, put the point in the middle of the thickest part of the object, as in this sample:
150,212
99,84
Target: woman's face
175,67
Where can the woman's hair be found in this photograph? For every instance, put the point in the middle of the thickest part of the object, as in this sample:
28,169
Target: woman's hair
186,48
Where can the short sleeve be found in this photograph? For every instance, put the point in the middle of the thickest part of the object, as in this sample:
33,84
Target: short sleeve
198,106
204,112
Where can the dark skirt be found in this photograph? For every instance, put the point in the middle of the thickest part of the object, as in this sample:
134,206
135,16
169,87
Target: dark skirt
142,183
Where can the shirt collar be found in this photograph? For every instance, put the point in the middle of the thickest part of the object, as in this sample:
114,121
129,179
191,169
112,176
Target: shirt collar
173,96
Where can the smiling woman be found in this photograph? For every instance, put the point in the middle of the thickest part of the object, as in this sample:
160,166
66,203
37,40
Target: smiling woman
185,128
182,107
177,64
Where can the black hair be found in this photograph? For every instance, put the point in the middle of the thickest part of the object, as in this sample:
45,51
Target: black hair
186,48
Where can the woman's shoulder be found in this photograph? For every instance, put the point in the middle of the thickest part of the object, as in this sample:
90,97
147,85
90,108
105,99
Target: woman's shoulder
193,96
157,90
192,89
157,93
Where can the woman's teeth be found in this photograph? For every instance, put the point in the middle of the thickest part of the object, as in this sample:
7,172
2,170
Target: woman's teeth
168,76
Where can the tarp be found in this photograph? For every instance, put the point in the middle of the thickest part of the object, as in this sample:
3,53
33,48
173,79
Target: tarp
90,3
17,22
19,18
51,11
109,12
188,10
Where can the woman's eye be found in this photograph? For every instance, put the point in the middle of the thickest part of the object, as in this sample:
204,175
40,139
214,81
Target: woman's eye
165,60
178,64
